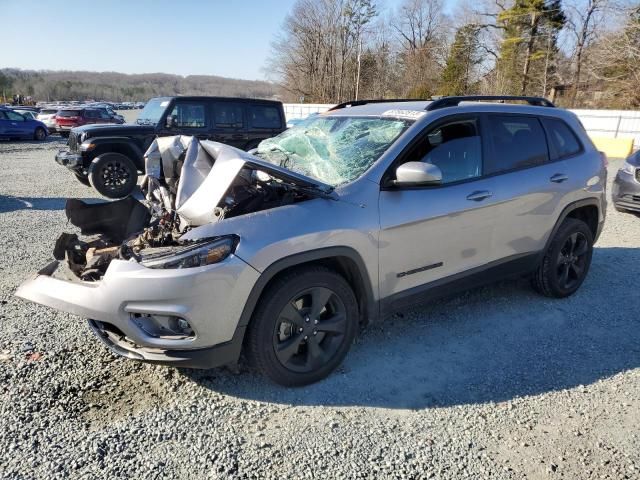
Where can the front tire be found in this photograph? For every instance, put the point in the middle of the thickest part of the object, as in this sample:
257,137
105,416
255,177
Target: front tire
303,326
566,261
82,179
113,175
40,134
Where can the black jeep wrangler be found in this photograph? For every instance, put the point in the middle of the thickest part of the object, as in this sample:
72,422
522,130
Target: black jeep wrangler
110,157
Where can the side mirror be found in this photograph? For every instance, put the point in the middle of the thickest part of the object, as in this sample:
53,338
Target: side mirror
170,121
417,173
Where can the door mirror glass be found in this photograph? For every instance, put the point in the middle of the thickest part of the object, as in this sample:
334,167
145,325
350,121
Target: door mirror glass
417,173
171,120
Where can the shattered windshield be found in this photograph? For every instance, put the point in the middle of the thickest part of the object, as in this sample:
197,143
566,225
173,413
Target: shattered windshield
333,149
152,111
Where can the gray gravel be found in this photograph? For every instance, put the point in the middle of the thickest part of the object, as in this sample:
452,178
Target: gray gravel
494,383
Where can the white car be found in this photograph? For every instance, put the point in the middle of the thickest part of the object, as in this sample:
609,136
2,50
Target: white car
48,117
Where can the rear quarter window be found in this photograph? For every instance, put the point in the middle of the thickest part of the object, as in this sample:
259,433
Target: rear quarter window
264,116
564,142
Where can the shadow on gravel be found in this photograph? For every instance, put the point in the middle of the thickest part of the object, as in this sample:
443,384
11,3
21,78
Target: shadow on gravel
9,203
488,345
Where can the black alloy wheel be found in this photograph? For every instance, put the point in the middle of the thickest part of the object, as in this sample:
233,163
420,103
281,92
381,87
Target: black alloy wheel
113,175
303,326
309,329
566,261
572,259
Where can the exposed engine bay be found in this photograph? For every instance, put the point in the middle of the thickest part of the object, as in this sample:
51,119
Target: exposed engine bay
188,183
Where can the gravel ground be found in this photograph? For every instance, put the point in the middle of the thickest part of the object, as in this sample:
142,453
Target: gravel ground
494,383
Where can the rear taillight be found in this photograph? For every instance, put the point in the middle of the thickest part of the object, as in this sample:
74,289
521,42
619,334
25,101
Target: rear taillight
605,161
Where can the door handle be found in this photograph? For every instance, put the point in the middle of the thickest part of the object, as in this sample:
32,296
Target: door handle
479,195
559,178
237,136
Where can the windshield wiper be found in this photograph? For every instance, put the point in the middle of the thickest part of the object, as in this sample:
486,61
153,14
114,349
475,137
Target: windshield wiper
145,121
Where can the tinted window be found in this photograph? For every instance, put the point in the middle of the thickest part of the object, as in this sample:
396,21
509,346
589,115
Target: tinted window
227,115
455,148
91,114
68,113
562,138
16,117
188,115
518,142
2,115
264,117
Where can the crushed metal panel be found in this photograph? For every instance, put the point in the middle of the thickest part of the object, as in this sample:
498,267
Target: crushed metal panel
199,193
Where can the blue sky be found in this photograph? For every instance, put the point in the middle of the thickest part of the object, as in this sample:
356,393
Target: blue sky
216,37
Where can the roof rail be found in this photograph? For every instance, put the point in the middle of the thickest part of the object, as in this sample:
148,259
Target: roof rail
356,103
454,101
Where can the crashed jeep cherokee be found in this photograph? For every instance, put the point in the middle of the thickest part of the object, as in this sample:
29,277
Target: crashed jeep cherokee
282,253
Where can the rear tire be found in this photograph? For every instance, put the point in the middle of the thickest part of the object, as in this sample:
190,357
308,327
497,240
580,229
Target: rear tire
40,134
113,175
566,261
303,326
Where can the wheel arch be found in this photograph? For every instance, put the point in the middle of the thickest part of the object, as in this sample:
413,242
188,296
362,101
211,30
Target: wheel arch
120,145
587,210
344,260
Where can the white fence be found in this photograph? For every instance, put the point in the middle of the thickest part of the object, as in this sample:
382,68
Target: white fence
599,123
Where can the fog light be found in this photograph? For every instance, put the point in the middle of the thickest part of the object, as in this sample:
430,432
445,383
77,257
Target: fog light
163,326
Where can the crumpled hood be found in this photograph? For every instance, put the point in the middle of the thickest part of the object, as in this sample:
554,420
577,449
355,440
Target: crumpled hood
208,170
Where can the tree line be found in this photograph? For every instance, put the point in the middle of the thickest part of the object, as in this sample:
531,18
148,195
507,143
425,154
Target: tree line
119,87
579,53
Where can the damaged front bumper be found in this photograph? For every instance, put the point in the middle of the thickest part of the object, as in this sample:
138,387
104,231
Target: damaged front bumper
123,308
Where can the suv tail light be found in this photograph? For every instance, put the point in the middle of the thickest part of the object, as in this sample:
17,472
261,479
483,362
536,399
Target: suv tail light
605,161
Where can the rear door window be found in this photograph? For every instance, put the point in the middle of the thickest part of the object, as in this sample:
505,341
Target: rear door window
518,142
228,115
189,115
562,139
264,116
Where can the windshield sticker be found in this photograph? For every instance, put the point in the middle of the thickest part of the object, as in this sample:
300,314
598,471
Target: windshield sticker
408,114
165,103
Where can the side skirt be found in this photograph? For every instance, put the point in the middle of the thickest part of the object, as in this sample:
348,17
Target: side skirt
516,266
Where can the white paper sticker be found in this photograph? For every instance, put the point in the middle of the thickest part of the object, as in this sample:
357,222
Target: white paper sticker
408,114
165,103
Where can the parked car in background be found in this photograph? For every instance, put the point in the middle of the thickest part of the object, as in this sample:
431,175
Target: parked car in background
47,115
362,211
110,158
68,118
626,186
15,125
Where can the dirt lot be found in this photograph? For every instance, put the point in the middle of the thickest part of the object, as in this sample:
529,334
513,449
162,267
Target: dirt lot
494,383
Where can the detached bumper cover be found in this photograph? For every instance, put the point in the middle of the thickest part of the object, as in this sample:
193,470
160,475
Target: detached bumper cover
626,191
69,159
210,298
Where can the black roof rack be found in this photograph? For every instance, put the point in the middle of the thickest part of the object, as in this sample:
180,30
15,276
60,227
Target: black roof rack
356,103
454,101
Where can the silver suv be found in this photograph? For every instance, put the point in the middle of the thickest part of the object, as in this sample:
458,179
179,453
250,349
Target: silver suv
283,253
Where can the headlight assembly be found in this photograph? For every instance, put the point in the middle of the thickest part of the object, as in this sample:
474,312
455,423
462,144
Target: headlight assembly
189,256
628,168
87,146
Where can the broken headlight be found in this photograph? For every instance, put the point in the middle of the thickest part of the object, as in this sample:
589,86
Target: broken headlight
190,256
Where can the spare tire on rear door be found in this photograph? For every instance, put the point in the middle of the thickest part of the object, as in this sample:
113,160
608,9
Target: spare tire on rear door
113,175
